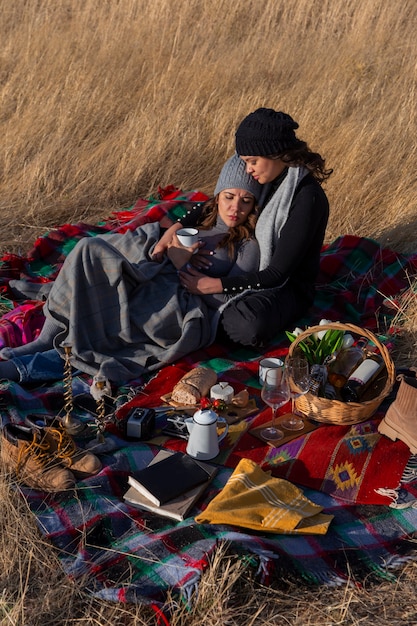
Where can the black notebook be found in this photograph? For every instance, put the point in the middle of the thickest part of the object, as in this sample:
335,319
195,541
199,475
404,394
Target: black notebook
171,477
179,507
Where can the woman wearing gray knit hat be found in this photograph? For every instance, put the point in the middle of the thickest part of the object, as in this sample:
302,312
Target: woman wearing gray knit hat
290,231
122,312
233,176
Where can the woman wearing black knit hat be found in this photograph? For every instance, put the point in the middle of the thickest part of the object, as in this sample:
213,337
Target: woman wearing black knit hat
290,231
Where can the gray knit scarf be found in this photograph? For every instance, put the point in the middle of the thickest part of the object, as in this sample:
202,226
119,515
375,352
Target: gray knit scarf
268,228
275,214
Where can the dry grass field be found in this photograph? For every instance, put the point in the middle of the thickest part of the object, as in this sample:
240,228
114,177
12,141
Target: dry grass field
102,101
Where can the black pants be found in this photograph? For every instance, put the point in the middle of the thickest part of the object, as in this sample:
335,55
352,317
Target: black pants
255,318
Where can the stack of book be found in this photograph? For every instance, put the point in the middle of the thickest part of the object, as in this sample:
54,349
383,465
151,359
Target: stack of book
170,484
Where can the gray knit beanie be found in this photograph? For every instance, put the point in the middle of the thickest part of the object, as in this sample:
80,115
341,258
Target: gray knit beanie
266,132
234,176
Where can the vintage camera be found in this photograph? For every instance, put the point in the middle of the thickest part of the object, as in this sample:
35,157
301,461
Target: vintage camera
140,423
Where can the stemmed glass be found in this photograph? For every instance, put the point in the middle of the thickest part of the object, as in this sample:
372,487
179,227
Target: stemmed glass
299,381
275,392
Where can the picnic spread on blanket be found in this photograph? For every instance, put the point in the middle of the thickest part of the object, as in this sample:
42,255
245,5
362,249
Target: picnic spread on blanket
333,501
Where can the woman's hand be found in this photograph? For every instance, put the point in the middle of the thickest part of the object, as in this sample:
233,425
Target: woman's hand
159,251
199,283
201,259
161,246
179,255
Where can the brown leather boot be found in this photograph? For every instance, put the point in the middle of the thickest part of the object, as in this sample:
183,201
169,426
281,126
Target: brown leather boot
400,421
62,446
29,459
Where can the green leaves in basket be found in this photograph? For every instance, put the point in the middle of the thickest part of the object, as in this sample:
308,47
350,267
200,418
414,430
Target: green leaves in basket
316,350
331,342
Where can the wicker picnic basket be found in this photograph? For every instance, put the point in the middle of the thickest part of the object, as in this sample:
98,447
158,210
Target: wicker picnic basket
334,411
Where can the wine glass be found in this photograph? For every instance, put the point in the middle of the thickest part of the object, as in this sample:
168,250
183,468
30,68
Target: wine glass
275,392
299,382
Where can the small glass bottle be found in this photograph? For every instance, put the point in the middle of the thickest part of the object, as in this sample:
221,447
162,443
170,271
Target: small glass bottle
345,362
361,378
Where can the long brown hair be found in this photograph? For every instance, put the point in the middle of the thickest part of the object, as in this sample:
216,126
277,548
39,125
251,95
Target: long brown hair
235,234
302,155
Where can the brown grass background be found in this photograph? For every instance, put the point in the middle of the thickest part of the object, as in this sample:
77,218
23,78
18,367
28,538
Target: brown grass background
102,101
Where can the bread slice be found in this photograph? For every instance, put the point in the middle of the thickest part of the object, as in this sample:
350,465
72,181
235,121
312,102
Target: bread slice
194,385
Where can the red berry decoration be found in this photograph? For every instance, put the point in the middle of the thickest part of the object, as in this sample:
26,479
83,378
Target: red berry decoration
205,403
220,405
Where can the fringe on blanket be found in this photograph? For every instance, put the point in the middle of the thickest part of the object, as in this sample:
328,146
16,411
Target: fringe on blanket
410,471
401,498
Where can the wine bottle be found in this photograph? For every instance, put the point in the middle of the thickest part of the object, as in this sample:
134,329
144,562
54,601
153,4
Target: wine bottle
361,378
345,362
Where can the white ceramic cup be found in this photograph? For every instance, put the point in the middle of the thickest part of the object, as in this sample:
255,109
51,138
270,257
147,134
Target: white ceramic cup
271,363
187,236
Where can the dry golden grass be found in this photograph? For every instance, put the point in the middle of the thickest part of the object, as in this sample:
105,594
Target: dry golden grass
101,101
35,592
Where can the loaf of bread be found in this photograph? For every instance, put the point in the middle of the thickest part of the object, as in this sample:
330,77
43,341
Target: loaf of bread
194,385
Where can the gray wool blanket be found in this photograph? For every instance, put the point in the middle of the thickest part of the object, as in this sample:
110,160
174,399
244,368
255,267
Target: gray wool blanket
122,313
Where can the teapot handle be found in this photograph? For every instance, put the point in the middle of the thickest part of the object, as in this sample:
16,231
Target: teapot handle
225,422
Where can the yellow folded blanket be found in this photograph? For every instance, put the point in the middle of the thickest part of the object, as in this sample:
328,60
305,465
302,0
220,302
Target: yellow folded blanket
251,498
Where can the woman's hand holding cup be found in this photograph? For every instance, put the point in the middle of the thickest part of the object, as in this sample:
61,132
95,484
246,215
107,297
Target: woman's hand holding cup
178,253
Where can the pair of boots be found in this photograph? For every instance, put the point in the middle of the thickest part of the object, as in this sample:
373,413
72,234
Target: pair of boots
44,456
400,421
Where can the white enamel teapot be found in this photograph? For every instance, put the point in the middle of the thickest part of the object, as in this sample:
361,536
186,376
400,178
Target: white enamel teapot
203,442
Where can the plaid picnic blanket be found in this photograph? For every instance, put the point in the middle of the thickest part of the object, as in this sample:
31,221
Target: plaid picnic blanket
126,554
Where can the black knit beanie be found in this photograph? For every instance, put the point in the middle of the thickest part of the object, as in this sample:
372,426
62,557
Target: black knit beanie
266,132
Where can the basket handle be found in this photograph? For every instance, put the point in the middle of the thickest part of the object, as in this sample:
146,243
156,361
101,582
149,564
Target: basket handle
346,327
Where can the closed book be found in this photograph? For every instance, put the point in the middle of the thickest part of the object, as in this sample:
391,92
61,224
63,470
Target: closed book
168,478
178,507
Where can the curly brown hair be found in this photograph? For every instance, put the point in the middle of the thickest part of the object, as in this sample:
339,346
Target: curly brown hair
302,155
236,234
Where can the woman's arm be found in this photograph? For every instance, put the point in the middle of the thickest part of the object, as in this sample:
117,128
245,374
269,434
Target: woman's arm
162,245
178,254
190,219
301,237
198,283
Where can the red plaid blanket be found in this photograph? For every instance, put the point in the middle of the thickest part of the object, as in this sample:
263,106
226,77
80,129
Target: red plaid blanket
125,554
